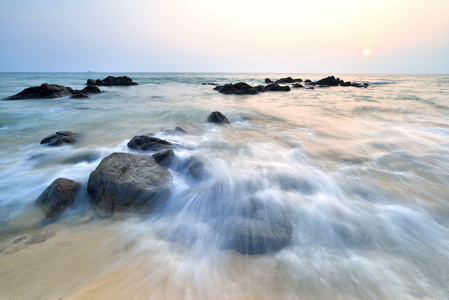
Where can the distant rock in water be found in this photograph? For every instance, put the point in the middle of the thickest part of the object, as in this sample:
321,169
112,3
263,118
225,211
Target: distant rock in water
50,91
44,91
268,80
149,143
57,197
111,80
125,182
59,138
240,88
274,87
217,117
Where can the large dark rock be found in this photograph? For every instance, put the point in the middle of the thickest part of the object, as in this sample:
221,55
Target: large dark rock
125,182
217,117
262,228
330,81
268,80
91,89
148,143
111,80
58,196
59,138
274,87
44,91
240,88
165,157
285,80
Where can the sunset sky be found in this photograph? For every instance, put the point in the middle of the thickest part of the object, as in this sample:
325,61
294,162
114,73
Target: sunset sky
321,36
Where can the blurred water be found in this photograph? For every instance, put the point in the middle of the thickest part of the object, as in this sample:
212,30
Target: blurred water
361,174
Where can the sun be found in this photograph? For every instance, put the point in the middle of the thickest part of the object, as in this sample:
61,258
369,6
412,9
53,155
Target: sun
367,52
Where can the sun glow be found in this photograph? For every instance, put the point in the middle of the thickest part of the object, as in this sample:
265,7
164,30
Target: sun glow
366,52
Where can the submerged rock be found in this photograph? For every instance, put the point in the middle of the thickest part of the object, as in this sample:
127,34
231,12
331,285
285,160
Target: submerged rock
125,182
59,138
165,157
262,228
57,197
111,80
148,143
217,117
44,91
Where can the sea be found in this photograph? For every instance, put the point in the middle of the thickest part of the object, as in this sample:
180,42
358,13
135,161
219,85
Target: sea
361,173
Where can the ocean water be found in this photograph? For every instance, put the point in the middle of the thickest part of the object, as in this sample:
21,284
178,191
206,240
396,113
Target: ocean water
361,173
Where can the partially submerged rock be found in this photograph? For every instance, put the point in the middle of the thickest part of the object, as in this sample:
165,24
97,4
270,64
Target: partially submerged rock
240,88
50,91
59,138
149,143
262,228
111,81
217,117
57,197
125,182
44,91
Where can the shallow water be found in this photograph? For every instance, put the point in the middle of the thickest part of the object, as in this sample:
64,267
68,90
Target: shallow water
362,174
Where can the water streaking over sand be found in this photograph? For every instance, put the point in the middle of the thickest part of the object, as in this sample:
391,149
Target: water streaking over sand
361,173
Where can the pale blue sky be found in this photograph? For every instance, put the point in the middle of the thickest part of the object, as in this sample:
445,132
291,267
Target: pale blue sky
225,36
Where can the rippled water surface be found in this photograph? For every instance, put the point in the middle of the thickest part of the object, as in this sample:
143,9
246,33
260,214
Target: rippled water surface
361,174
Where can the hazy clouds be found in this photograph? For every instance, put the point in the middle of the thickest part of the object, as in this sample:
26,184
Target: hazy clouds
225,36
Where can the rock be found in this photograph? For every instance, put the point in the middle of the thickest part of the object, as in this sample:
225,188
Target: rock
330,81
45,91
217,117
80,96
308,81
268,80
60,137
125,182
111,80
297,85
274,87
285,80
165,157
91,82
57,197
240,88
91,89
148,143
260,229
260,88
177,130
27,240
209,83
194,167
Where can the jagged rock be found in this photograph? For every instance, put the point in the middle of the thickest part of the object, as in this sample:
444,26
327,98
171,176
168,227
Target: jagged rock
330,81
125,182
148,143
268,80
57,197
111,80
217,117
60,137
44,91
177,130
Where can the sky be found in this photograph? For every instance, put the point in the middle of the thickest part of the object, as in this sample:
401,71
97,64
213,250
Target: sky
290,36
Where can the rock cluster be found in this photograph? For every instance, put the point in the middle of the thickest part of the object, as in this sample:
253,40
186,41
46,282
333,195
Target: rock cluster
111,80
49,91
243,88
140,183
